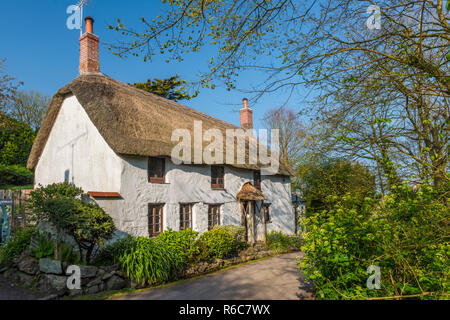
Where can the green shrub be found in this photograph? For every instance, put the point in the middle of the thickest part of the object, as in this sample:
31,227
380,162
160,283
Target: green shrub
110,254
216,243
238,234
87,223
405,234
15,175
69,255
152,261
183,241
18,243
91,227
279,242
46,248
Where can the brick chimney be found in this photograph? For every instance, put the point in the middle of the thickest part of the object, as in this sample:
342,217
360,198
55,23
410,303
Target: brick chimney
246,116
89,52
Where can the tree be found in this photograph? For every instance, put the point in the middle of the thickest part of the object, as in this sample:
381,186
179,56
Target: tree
61,205
16,140
15,175
320,182
91,227
29,108
400,69
171,88
291,133
7,85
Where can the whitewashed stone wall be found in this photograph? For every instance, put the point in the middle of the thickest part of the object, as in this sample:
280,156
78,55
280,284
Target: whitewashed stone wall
192,184
76,152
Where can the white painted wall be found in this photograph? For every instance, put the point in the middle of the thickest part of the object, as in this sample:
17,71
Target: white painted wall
192,184
76,147
77,153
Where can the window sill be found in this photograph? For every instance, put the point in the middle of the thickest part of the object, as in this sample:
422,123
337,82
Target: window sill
158,182
217,188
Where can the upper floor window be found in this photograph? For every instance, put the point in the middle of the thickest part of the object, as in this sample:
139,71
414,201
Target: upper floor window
257,179
217,177
185,216
156,170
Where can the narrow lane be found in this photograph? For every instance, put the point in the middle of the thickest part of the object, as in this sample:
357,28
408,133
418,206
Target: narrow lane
276,278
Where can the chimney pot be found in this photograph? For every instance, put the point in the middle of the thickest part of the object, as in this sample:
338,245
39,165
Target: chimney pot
89,25
245,100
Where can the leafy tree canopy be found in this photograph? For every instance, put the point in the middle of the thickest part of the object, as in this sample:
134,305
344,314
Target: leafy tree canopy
171,88
320,182
380,93
16,140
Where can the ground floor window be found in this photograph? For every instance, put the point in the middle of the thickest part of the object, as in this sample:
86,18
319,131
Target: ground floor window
155,219
213,216
186,216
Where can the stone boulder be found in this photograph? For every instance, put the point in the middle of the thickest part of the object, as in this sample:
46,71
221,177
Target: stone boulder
25,280
115,283
28,265
114,267
88,271
50,266
53,283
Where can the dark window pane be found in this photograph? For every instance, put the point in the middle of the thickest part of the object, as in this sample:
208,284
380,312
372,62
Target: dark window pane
156,170
217,176
267,212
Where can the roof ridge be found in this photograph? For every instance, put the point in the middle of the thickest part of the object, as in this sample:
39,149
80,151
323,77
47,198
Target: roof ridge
165,100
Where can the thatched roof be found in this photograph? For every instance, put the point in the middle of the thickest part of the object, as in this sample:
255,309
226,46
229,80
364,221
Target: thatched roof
132,121
249,192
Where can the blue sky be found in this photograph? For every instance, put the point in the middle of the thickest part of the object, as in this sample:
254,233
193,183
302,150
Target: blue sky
44,54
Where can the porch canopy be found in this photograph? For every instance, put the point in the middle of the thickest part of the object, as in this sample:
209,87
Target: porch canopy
248,197
250,193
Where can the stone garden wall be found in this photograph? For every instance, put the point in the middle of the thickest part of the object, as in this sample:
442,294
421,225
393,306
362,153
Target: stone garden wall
49,276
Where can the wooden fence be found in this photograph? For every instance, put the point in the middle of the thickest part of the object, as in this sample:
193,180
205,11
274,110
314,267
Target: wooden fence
18,217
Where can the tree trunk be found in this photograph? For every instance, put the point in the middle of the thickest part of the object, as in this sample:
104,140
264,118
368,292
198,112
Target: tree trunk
89,253
81,252
57,251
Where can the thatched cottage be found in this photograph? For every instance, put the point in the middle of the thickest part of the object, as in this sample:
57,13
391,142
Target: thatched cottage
114,141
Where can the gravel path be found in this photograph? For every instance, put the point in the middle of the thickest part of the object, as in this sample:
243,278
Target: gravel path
276,278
